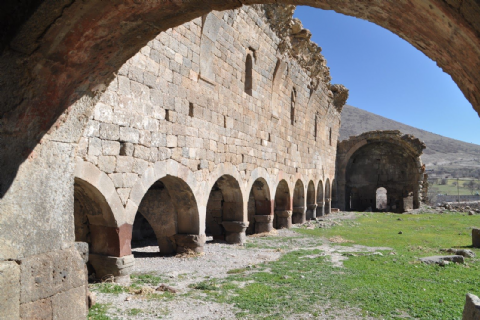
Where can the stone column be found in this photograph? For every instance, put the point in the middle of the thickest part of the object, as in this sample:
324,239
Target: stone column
118,267
263,223
188,242
235,231
299,215
320,209
284,219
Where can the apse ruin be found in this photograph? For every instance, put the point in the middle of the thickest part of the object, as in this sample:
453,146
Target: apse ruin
380,171
228,122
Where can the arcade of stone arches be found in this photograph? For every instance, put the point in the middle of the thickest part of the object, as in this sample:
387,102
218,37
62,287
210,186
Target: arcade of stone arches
178,216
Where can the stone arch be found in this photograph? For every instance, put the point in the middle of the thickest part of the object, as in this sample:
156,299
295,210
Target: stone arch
298,202
328,199
88,174
320,199
311,201
170,208
283,206
107,243
260,207
224,211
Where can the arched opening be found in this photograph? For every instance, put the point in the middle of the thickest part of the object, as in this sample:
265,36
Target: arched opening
249,75
167,216
298,211
311,202
92,220
328,199
283,206
224,216
320,199
381,199
259,207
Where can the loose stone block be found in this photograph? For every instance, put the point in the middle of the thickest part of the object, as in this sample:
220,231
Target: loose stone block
471,310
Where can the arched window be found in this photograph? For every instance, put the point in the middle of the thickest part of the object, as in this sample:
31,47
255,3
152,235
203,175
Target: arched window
292,106
249,74
381,199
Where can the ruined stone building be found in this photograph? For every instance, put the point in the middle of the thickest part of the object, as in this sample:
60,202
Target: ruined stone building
379,171
111,111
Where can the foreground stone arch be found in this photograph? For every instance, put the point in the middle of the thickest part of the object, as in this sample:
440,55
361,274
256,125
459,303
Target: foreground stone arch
311,201
283,206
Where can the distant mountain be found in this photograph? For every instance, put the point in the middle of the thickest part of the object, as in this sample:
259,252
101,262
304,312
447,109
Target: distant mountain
451,156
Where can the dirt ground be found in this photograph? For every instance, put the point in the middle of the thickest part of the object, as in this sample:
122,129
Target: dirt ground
180,272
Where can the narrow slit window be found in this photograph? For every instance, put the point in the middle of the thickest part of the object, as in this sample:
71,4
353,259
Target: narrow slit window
249,75
315,128
292,106
190,109
330,136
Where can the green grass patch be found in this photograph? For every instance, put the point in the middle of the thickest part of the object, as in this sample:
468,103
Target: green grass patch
234,271
111,288
387,286
99,312
207,285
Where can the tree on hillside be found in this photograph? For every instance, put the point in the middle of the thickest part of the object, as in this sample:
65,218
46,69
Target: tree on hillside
470,185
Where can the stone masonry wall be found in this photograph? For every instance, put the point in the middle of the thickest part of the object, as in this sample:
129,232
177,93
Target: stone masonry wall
160,108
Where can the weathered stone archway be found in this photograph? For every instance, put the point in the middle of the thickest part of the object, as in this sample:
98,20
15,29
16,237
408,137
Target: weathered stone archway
260,208
298,210
170,208
328,197
311,201
224,215
283,206
320,199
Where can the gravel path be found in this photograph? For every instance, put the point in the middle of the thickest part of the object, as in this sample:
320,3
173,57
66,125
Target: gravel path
180,272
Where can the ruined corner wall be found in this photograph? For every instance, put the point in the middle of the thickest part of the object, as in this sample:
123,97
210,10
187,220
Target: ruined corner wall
380,159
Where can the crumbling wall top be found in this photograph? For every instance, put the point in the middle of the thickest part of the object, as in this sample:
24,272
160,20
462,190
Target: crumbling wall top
410,142
295,42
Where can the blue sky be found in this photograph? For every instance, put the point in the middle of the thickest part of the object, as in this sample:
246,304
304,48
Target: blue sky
388,76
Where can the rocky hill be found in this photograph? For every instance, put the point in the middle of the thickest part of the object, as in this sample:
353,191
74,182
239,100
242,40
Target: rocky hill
442,154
